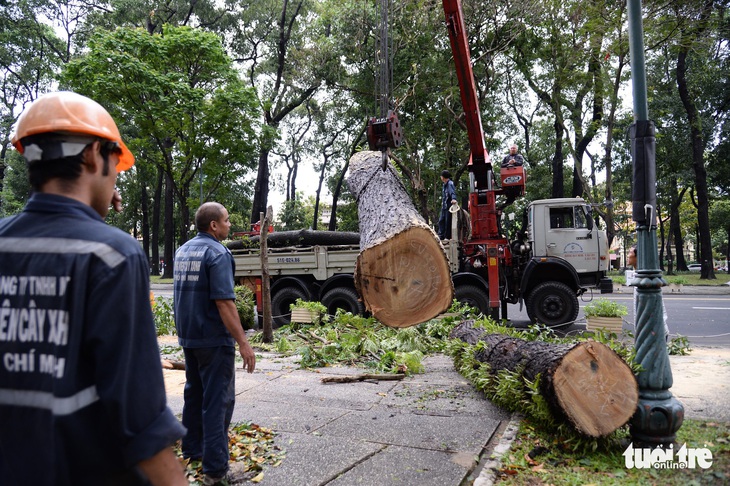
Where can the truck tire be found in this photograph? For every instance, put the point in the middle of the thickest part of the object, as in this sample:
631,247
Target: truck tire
280,304
553,304
473,296
344,298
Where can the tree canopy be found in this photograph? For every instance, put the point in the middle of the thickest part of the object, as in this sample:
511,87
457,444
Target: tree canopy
214,97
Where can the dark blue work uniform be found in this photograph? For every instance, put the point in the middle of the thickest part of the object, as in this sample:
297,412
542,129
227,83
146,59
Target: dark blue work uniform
203,274
448,194
82,399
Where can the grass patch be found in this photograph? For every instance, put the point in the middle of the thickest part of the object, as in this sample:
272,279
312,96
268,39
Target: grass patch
540,458
684,278
157,279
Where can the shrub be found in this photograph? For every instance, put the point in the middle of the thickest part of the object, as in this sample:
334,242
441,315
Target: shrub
245,306
605,308
164,316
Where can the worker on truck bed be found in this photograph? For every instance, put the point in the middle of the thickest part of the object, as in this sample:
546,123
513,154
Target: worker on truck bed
82,399
513,159
448,197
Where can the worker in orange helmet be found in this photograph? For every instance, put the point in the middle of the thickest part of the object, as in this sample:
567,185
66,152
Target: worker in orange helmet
82,399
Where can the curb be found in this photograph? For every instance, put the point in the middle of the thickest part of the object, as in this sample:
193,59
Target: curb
489,472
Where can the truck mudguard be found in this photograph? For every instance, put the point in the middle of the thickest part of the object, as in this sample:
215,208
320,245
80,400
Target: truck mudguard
282,282
540,269
339,280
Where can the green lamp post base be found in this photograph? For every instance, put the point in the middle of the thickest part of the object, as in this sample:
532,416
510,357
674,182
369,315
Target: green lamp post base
658,417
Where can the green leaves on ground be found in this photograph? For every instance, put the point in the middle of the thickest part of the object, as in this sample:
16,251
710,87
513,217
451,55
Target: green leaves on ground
250,446
356,340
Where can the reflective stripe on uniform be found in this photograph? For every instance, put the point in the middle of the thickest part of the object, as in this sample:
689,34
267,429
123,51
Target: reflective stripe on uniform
45,400
106,253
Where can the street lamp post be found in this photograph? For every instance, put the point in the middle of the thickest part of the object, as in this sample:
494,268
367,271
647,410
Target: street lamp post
659,414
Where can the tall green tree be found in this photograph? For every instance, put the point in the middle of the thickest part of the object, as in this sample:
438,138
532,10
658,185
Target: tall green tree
282,65
29,60
182,102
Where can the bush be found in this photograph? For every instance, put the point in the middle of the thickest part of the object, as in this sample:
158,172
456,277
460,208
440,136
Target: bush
164,316
245,306
605,308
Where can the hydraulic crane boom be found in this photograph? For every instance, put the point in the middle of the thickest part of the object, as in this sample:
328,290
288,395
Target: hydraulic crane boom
488,251
480,162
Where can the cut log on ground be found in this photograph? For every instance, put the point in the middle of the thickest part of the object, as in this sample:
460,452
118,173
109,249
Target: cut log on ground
305,237
402,273
587,384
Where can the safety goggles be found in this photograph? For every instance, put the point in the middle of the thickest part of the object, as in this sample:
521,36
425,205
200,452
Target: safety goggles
65,145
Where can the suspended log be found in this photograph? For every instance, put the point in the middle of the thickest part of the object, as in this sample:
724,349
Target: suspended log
587,384
402,273
305,237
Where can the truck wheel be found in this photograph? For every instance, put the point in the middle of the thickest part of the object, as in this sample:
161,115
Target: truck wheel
553,304
280,302
343,298
473,296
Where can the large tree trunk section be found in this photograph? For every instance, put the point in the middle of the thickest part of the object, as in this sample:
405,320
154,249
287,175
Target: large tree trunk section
587,384
402,273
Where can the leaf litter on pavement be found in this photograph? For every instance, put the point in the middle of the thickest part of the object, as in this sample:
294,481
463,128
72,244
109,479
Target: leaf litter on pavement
251,448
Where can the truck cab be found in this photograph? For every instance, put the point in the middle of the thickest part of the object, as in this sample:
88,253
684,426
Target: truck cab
563,228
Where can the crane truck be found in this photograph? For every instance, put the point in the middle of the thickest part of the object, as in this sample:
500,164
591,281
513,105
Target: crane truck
558,254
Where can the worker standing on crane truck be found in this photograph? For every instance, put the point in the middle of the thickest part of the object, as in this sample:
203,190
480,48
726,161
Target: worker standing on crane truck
559,253
511,271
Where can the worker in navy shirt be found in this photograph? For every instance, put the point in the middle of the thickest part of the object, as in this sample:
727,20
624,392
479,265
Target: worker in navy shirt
208,327
448,197
82,399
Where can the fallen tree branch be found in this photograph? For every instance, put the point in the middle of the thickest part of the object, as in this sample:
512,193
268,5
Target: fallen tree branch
319,338
363,377
173,365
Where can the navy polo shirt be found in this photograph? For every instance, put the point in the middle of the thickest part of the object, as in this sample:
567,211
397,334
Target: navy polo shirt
203,274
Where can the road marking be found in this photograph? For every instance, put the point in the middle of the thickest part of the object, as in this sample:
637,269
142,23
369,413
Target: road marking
711,308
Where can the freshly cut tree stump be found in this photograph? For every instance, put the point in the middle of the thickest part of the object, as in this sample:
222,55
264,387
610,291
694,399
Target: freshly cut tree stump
402,273
587,384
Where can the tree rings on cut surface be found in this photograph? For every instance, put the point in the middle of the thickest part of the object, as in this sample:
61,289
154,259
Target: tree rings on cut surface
402,273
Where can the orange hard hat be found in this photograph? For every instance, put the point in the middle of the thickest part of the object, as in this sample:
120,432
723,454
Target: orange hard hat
68,112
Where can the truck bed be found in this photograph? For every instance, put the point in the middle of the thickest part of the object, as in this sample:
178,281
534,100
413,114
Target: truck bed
319,261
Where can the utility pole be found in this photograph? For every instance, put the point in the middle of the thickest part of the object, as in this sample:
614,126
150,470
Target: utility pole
659,414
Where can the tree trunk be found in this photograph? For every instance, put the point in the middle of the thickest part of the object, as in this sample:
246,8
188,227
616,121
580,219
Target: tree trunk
698,143
402,273
586,384
168,251
674,226
156,210
557,162
340,179
261,189
268,323
304,237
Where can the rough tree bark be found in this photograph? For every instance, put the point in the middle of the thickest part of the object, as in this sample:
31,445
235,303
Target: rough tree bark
587,383
268,325
402,273
304,237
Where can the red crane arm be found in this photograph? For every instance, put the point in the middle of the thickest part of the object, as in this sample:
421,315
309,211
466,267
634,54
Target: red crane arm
480,163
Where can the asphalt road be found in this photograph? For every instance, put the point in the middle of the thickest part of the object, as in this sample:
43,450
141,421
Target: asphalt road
704,319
